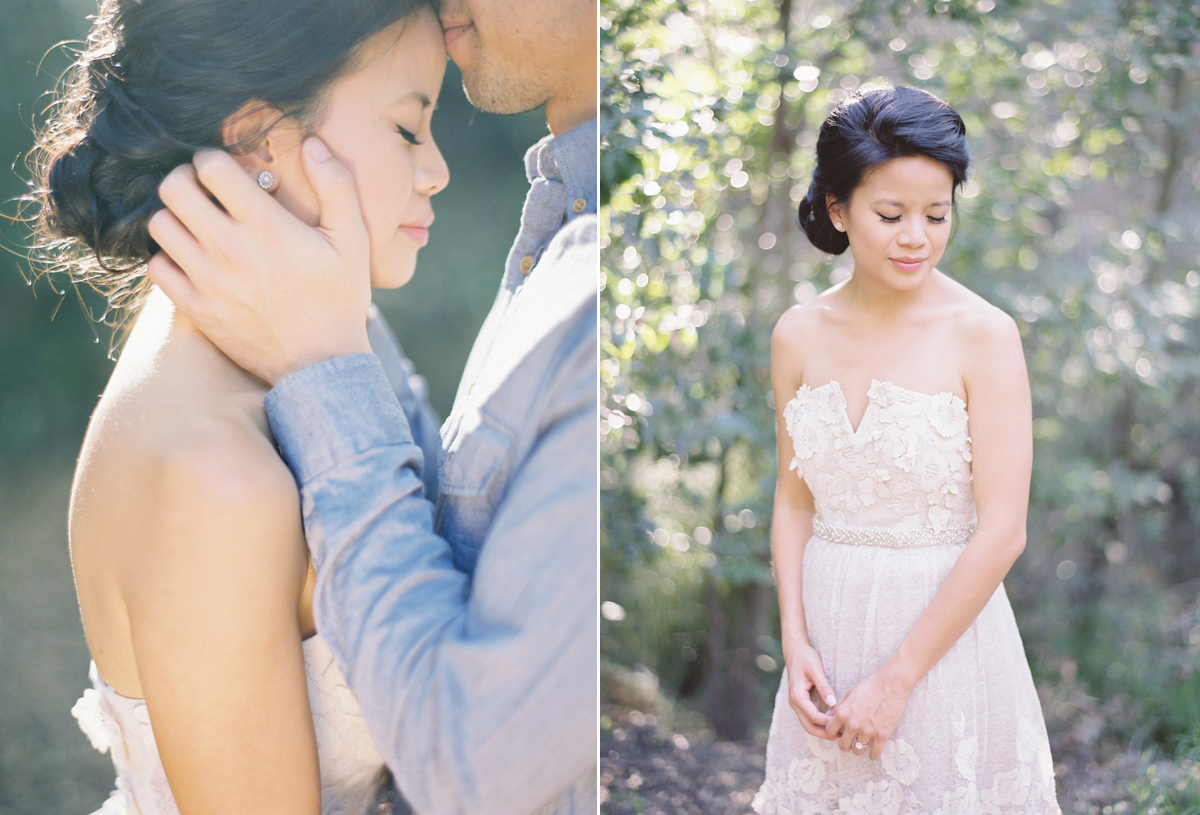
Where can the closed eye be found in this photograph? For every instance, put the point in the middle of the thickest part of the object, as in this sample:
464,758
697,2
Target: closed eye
896,219
409,136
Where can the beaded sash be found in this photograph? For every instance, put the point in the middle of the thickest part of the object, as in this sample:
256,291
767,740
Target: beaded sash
895,538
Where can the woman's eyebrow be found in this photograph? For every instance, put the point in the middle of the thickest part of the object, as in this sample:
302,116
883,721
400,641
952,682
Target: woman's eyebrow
415,96
901,203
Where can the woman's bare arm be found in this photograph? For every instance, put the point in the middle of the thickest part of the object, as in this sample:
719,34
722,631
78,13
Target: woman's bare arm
791,527
213,608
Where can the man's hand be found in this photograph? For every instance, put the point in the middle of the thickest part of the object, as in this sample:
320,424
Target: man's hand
273,293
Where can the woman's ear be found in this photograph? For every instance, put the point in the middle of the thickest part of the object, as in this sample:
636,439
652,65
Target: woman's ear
836,212
251,135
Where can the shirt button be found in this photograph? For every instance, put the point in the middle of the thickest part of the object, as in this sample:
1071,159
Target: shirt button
527,264
579,206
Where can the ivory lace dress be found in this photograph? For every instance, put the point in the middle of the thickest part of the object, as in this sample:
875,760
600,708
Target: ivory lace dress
354,779
894,511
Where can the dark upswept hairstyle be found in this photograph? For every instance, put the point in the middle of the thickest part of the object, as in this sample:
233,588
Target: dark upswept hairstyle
871,127
155,83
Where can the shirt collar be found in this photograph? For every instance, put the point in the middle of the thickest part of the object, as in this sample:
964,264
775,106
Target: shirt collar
570,158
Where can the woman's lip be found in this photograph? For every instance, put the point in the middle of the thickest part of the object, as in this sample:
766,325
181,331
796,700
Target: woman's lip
418,234
908,264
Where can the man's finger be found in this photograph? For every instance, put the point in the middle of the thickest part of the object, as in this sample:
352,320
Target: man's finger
183,193
167,275
336,194
234,189
177,242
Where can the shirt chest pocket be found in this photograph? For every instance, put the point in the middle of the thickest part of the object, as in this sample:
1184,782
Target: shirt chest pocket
474,470
474,455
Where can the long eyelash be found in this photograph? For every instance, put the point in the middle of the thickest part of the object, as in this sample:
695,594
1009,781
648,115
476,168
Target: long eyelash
896,219
409,136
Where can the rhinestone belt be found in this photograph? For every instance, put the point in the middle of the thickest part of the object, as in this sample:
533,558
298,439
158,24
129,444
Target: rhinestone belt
895,538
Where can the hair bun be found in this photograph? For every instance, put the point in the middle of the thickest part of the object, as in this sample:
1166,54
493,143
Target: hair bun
102,201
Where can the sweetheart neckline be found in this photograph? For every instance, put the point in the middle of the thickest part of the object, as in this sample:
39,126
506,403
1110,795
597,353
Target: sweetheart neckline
956,399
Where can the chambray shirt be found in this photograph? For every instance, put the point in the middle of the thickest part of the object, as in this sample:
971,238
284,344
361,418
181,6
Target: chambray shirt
468,629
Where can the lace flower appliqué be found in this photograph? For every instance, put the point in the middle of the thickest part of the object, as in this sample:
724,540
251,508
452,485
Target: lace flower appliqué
808,437
831,404
947,414
93,721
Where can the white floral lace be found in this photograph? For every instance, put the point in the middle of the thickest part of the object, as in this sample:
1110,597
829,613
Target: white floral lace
972,740
354,779
908,465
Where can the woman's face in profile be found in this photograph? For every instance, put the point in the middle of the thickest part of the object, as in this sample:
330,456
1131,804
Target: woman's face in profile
376,121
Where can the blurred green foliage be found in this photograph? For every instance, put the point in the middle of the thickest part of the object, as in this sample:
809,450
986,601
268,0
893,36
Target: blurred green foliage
54,362
1080,220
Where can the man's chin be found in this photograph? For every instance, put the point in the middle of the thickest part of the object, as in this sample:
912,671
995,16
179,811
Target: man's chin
486,93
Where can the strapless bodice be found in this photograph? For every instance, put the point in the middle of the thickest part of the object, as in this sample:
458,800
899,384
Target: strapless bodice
905,469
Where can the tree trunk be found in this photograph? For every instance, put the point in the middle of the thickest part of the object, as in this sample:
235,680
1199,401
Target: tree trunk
733,680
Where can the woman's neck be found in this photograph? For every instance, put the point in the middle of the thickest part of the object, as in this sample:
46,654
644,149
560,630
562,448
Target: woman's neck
164,342
883,303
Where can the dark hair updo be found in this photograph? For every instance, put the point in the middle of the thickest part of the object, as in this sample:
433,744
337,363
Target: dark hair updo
155,83
867,129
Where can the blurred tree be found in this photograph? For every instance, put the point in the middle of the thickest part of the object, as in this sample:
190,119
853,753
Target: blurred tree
1079,220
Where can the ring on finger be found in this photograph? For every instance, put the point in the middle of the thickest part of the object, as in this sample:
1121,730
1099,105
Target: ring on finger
858,745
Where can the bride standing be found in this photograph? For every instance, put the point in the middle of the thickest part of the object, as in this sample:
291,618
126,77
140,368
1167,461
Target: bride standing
211,688
904,404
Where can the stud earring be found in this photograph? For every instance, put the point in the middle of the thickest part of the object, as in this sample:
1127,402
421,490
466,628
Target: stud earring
266,180
837,226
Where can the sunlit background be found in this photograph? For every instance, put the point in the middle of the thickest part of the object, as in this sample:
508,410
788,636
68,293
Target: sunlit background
1080,220
53,366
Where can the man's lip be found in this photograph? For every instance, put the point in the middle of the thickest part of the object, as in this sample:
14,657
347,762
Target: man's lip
452,30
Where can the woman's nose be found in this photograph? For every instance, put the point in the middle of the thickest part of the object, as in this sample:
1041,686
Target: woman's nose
432,174
913,233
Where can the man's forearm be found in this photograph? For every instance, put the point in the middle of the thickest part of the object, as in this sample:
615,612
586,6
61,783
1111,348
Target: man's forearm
480,699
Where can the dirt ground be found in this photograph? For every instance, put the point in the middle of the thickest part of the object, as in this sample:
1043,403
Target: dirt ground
649,769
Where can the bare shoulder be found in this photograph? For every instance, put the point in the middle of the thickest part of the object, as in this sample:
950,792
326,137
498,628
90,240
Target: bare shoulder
978,323
216,495
989,343
800,325
788,341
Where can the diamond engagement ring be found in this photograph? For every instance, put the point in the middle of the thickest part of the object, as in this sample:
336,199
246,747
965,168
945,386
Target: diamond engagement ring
858,745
